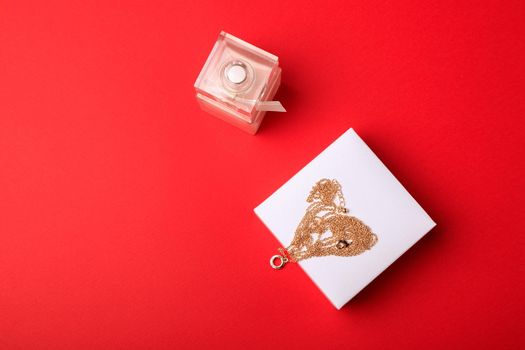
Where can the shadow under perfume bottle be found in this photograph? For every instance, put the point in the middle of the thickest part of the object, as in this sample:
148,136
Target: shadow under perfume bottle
238,82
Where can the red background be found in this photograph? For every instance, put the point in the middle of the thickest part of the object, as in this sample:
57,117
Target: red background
126,212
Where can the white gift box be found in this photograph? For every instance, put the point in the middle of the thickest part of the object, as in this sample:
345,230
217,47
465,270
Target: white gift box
372,194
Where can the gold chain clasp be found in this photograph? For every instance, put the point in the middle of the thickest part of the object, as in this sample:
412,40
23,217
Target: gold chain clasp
282,260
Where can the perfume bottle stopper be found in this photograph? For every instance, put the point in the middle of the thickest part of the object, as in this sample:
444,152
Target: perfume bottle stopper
236,74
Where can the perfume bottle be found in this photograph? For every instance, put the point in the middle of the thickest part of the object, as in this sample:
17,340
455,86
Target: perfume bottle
238,82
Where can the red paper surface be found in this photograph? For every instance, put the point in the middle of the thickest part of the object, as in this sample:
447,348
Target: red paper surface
126,212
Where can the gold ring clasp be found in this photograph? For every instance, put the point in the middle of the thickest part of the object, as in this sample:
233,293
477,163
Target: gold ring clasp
282,260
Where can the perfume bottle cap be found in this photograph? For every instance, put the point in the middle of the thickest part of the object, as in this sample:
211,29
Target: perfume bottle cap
236,73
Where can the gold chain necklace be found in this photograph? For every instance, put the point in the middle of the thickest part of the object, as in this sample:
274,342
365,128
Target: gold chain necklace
326,228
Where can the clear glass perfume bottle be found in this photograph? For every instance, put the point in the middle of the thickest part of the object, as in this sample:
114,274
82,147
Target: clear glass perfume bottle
238,82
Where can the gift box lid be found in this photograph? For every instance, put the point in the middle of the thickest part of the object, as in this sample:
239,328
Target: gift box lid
372,195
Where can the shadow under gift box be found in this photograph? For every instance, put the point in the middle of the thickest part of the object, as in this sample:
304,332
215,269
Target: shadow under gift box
238,82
